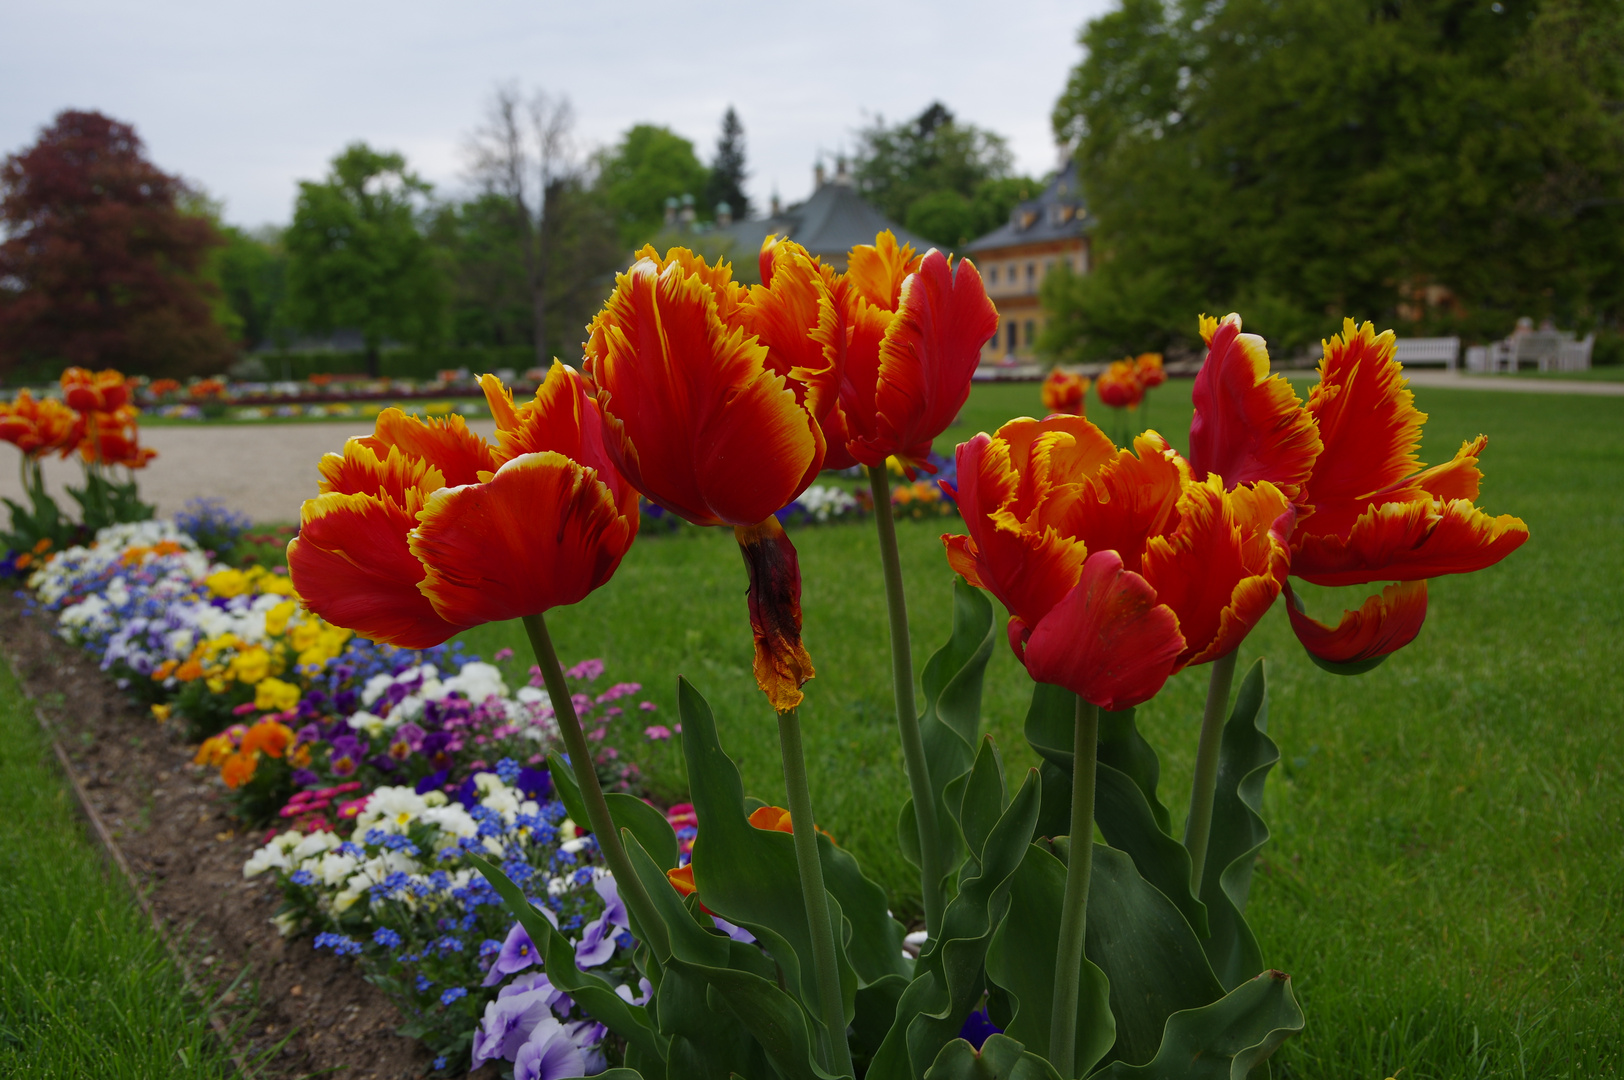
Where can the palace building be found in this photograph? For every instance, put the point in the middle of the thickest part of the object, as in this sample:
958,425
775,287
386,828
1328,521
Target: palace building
1040,235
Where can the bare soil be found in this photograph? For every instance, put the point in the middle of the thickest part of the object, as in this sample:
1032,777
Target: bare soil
169,818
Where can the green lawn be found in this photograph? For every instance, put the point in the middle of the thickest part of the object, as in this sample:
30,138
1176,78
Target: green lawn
1447,864
86,987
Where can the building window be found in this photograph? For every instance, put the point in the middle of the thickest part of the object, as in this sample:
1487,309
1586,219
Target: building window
992,276
1011,336
1031,274
1031,333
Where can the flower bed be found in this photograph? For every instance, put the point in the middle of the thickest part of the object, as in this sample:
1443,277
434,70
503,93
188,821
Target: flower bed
379,771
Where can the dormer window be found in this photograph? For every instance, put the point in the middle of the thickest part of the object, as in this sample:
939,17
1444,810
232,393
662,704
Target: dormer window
992,276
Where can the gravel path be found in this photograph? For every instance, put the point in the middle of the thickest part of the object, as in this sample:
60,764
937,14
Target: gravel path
265,471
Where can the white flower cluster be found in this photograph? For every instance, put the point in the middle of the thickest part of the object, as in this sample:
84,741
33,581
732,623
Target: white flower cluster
72,566
341,873
825,501
477,682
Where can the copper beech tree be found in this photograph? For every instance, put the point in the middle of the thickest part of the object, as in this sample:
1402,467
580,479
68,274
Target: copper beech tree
101,266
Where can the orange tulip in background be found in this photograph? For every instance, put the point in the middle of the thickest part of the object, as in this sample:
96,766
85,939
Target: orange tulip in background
424,529
1064,392
37,426
113,438
101,391
1118,568
161,387
1348,458
1119,387
1147,368
915,326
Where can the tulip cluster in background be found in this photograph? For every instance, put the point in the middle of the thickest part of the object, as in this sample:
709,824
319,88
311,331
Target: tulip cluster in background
95,419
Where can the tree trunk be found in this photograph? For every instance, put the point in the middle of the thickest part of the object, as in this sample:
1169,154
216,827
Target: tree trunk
374,361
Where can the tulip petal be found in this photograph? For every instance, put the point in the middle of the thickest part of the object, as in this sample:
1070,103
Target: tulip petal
445,442
876,271
930,351
359,470
796,318
1222,566
351,565
1132,498
1107,640
782,665
1364,638
1366,417
1420,538
1248,425
544,531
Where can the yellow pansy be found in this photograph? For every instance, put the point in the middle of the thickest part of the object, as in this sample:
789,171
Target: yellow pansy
276,619
277,584
227,583
251,665
272,694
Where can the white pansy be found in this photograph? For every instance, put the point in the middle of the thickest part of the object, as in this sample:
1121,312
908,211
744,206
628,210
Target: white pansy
370,723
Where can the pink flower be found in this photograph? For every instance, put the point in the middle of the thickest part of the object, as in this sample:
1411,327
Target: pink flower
503,653
647,706
586,669
597,735
657,732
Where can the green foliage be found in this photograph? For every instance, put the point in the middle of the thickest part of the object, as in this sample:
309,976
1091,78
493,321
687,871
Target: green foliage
947,181
41,519
356,257
252,272
104,501
1299,162
727,170
636,176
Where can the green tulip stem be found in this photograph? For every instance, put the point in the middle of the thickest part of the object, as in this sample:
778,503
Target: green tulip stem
586,775
1198,827
824,963
931,871
1068,968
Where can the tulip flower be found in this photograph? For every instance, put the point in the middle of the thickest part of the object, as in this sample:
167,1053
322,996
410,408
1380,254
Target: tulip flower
1191,569
714,397
1147,367
112,438
36,426
1119,385
917,325
424,529
101,391
1064,392
1348,456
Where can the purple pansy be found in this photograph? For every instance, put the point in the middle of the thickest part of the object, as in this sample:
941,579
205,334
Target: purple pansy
549,1054
518,952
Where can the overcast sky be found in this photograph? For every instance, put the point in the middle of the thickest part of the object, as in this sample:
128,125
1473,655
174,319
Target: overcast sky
247,99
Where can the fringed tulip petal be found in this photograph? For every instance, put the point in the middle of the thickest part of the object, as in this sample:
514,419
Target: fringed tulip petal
1248,425
1108,640
1362,639
444,442
1366,417
544,531
782,665
407,481
1222,566
876,271
351,565
1416,539
698,421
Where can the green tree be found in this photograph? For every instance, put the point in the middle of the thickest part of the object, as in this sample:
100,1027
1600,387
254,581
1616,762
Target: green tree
727,171
252,272
954,220
356,257
930,157
649,165
1306,161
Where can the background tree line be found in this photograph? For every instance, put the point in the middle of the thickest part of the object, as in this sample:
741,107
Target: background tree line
108,261
1437,165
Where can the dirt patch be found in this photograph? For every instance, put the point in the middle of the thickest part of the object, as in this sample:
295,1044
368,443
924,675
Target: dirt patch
169,818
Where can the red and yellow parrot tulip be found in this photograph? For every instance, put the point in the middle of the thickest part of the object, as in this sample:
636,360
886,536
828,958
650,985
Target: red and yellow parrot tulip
94,391
37,426
1064,392
424,529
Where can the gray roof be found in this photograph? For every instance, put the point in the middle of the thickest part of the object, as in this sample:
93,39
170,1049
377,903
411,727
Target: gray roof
828,224
1057,214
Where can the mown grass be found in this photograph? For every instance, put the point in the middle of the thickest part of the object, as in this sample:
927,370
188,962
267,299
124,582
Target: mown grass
1446,870
86,987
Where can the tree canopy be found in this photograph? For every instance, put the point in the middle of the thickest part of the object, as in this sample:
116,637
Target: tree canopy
945,180
1430,164
727,170
101,265
356,258
649,165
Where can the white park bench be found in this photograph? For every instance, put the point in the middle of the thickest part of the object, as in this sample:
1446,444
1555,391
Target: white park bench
1547,350
1428,350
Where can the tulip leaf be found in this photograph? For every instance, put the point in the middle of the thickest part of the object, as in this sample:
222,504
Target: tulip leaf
626,811
1225,1040
951,721
748,875
595,994
1126,807
950,974
1021,960
1000,1058
875,938
1245,756
983,798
